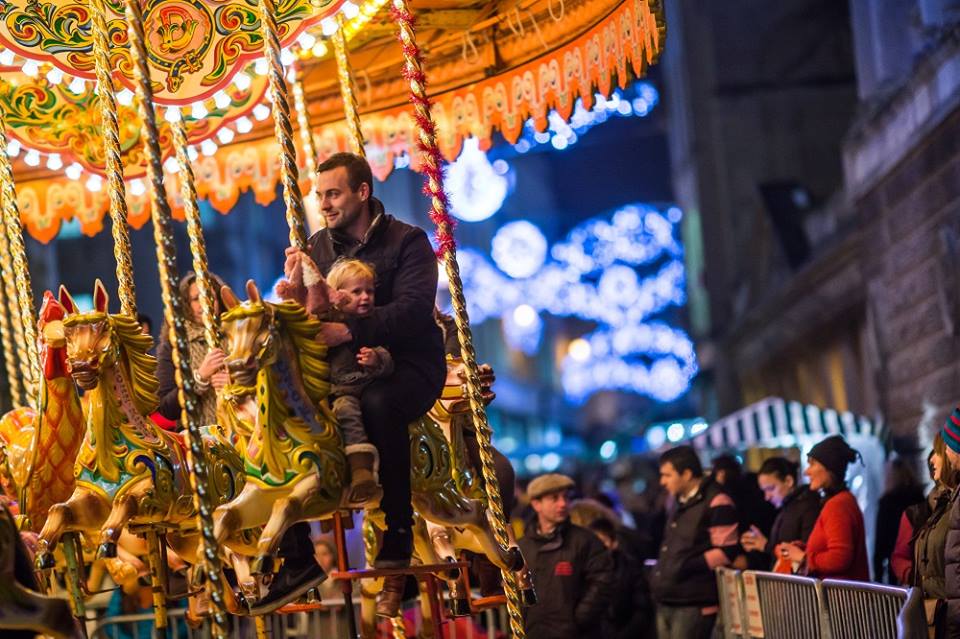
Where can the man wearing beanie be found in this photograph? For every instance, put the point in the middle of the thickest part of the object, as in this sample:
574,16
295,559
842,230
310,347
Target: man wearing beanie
951,551
572,571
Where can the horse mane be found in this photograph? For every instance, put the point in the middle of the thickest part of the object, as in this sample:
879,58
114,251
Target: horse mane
140,365
302,329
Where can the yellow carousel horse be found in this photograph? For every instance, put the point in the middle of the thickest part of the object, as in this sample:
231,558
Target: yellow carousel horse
128,470
40,443
278,413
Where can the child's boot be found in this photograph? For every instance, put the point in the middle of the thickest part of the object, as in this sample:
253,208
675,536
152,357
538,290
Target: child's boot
365,491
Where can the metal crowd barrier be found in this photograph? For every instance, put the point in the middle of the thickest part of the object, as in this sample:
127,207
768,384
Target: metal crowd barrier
757,605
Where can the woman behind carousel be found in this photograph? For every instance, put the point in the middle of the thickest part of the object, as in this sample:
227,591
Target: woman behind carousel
837,546
207,364
798,509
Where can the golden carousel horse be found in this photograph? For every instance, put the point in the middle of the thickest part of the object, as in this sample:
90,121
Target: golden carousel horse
277,412
128,471
40,443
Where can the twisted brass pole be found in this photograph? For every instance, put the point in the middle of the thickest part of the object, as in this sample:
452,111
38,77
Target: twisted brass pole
21,300
427,143
347,92
114,169
14,344
198,247
9,359
289,173
173,314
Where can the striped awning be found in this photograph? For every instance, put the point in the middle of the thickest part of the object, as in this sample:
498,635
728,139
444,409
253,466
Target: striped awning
769,421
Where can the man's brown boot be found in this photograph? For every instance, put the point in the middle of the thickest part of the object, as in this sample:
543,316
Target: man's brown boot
390,598
365,491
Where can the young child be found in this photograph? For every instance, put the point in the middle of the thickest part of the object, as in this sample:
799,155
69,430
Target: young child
350,371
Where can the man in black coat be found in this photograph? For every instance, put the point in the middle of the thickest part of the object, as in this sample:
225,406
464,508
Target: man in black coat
402,321
571,569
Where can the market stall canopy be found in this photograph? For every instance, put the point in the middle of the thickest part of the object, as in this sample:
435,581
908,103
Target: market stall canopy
489,72
774,422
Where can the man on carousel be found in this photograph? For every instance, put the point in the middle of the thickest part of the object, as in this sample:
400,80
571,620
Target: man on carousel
402,321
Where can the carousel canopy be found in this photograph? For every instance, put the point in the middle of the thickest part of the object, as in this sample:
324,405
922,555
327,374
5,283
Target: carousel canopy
490,72
774,422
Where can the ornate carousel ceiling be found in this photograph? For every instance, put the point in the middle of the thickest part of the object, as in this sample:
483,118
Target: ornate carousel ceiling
491,69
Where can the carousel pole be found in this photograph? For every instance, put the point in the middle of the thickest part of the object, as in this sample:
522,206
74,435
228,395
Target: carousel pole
198,247
280,97
20,298
126,290
427,144
173,314
347,92
303,122
14,344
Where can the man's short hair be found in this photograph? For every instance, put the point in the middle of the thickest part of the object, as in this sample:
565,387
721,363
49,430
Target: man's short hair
683,458
358,169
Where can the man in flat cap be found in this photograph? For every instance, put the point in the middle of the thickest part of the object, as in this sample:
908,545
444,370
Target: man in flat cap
572,571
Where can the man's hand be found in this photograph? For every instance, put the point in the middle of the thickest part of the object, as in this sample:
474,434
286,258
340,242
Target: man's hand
220,380
753,539
334,334
292,288
369,358
212,362
487,378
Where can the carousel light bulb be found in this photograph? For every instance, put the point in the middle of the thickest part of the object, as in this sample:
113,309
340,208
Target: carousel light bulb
261,112
55,76
221,99
225,136
192,153
172,115
287,58
328,26
198,110
13,148
137,188
32,158
244,125
125,97
261,67
76,86
208,147
31,68
94,183
74,171
7,58
54,163
319,50
242,81
170,165
350,10
306,40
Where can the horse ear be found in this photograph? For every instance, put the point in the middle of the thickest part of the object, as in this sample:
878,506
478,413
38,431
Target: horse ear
101,301
253,293
229,297
66,301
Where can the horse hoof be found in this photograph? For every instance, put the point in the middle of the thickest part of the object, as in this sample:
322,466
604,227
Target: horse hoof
262,565
107,550
514,558
528,597
45,560
460,608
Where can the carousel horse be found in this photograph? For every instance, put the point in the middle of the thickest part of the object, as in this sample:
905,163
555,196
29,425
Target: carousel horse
278,412
40,443
23,611
128,470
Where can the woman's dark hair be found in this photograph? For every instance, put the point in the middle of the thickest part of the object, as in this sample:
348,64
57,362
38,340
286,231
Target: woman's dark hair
683,458
780,467
188,281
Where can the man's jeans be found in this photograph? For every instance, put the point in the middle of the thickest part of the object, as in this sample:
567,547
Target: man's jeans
684,622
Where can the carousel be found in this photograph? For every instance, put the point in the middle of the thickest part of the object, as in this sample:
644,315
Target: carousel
137,110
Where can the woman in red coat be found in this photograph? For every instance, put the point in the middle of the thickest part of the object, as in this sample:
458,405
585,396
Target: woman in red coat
837,547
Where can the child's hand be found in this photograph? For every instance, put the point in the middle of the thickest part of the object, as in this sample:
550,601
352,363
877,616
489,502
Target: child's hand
368,358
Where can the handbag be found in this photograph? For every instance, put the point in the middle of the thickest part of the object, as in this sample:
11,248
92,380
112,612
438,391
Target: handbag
933,611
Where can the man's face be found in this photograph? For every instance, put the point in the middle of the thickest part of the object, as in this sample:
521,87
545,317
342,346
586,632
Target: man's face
675,483
552,507
340,205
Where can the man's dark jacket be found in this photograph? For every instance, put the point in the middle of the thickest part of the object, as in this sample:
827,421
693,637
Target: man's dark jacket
951,557
405,290
573,576
796,518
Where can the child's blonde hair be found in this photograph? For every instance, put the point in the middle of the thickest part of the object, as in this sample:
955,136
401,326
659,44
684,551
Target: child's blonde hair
347,269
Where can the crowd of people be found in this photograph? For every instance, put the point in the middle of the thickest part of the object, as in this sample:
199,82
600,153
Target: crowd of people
597,572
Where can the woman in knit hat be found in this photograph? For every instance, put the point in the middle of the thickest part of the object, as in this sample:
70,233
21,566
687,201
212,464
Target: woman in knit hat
837,547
